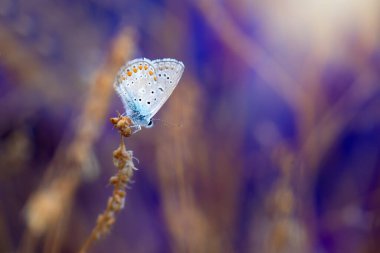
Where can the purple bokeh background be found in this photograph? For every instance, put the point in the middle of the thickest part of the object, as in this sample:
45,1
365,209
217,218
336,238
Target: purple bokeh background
290,79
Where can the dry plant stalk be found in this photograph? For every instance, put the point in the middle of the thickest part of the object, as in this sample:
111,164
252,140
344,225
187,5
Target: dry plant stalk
122,123
122,160
65,171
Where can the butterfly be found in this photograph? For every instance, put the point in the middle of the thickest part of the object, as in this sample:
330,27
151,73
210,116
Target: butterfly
144,86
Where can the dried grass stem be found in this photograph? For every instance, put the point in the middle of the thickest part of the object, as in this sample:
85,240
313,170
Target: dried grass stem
122,160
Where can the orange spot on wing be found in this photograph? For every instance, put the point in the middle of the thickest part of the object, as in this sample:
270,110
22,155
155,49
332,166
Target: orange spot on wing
150,72
155,78
129,73
135,70
146,67
140,67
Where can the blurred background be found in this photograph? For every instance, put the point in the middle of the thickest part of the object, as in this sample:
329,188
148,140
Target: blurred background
279,144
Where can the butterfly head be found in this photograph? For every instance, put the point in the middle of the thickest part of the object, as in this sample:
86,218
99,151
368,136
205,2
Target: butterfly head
150,124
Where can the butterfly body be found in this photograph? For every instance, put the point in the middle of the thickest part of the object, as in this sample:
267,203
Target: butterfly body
144,86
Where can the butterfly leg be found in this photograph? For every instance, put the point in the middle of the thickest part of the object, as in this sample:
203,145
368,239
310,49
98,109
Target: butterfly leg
135,128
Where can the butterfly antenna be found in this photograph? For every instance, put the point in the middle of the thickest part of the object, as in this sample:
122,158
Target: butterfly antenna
169,124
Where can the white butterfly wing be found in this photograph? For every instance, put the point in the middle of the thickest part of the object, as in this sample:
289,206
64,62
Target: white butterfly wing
144,86
169,72
134,84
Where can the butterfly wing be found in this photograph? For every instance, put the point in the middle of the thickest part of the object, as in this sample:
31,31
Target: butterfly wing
134,84
169,72
144,86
